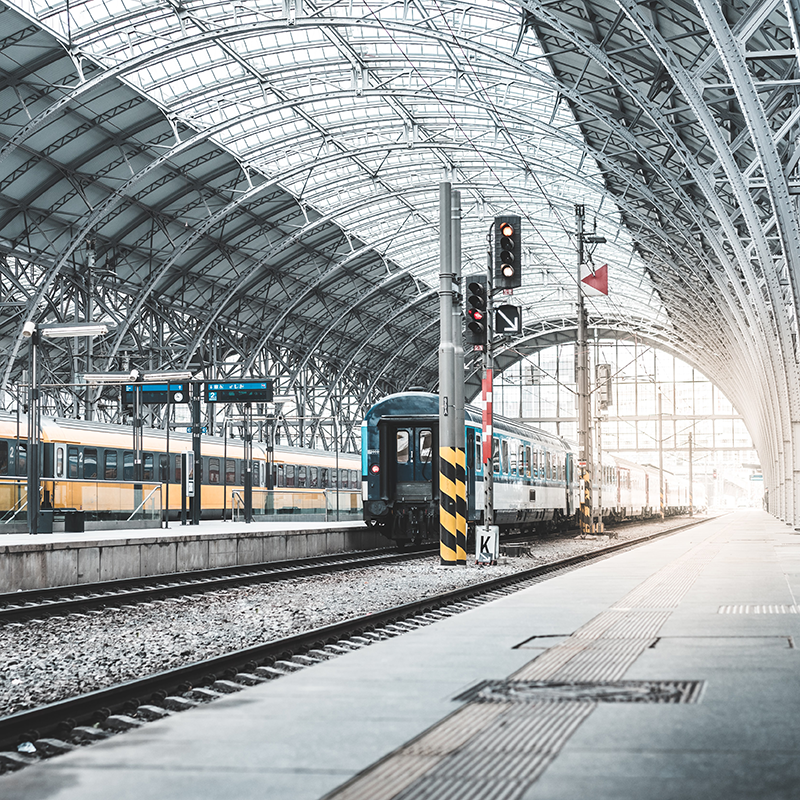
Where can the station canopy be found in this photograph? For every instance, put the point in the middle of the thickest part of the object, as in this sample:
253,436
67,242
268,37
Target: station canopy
248,187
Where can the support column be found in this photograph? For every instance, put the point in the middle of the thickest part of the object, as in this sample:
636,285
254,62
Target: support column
458,384
794,517
447,433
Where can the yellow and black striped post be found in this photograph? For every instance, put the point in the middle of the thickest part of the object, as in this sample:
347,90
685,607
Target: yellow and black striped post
447,505
461,506
586,502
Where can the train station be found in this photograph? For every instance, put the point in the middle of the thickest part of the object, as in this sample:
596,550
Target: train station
399,400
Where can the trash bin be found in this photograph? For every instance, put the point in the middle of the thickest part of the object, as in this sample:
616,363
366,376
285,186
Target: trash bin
74,521
45,521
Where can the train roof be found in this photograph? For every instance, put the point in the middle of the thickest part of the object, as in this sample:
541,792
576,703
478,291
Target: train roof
70,430
410,404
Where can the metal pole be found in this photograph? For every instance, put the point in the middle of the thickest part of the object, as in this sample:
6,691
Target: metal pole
584,435
33,444
488,402
248,463
169,414
336,461
447,433
458,386
691,478
225,467
194,502
660,456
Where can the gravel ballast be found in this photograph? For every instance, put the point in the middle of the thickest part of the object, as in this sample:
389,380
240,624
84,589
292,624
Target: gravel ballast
57,658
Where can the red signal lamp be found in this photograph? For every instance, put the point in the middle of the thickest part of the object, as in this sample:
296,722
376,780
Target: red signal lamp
375,469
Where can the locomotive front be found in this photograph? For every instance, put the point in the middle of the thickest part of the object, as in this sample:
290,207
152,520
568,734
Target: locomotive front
400,440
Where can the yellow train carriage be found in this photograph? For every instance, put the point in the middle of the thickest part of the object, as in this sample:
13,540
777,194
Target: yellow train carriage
90,467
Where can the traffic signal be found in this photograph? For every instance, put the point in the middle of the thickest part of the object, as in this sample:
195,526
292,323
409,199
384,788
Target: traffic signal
507,252
476,309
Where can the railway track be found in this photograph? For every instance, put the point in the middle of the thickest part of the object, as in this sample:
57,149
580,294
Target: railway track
60,726
61,600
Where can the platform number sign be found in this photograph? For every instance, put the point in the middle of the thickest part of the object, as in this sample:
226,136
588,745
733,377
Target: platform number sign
259,391
157,393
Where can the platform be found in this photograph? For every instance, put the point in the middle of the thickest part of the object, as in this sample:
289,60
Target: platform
716,604
65,559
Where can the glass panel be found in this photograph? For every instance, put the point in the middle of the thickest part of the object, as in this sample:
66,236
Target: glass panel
22,459
402,447
302,477
148,471
178,470
213,470
313,477
110,465
3,458
290,479
425,447
326,477
230,471
72,462
495,454
127,466
505,456
90,462
163,468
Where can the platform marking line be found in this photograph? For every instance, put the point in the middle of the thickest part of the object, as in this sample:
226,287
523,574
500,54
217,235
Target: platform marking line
499,757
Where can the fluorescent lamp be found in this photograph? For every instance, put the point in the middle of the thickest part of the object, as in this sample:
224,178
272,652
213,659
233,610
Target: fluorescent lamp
70,329
107,377
174,375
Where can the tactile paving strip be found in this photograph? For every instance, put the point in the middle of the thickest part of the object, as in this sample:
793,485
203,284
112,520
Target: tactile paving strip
474,756
742,608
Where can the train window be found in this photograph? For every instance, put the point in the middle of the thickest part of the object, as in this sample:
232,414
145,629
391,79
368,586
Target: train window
302,477
354,479
325,474
22,459
495,454
478,454
402,447
3,458
72,462
163,468
504,455
89,462
290,480
528,461
281,482
110,465
127,466
313,477
59,461
213,470
334,479
230,471
148,472
425,447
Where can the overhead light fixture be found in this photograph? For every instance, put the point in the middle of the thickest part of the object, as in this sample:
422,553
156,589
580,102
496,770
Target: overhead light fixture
70,329
283,398
167,375
106,377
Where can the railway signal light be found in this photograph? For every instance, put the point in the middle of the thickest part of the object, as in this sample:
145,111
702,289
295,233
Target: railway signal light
507,252
476,309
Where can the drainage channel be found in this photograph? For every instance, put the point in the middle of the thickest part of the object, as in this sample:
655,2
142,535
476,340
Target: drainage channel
28,736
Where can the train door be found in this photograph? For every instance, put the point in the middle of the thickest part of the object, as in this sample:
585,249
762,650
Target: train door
568,478
411,471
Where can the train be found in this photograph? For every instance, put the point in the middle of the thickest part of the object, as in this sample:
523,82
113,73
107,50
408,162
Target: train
535,474
89,467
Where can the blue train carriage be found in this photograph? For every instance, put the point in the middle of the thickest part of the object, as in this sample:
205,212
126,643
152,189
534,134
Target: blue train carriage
533,470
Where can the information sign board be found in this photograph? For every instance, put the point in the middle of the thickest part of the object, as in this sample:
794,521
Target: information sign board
239,391
158,393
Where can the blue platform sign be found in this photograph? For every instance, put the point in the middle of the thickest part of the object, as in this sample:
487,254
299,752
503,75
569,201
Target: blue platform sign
239,391
158,393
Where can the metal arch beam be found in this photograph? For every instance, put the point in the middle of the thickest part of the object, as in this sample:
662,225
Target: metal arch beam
594,53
